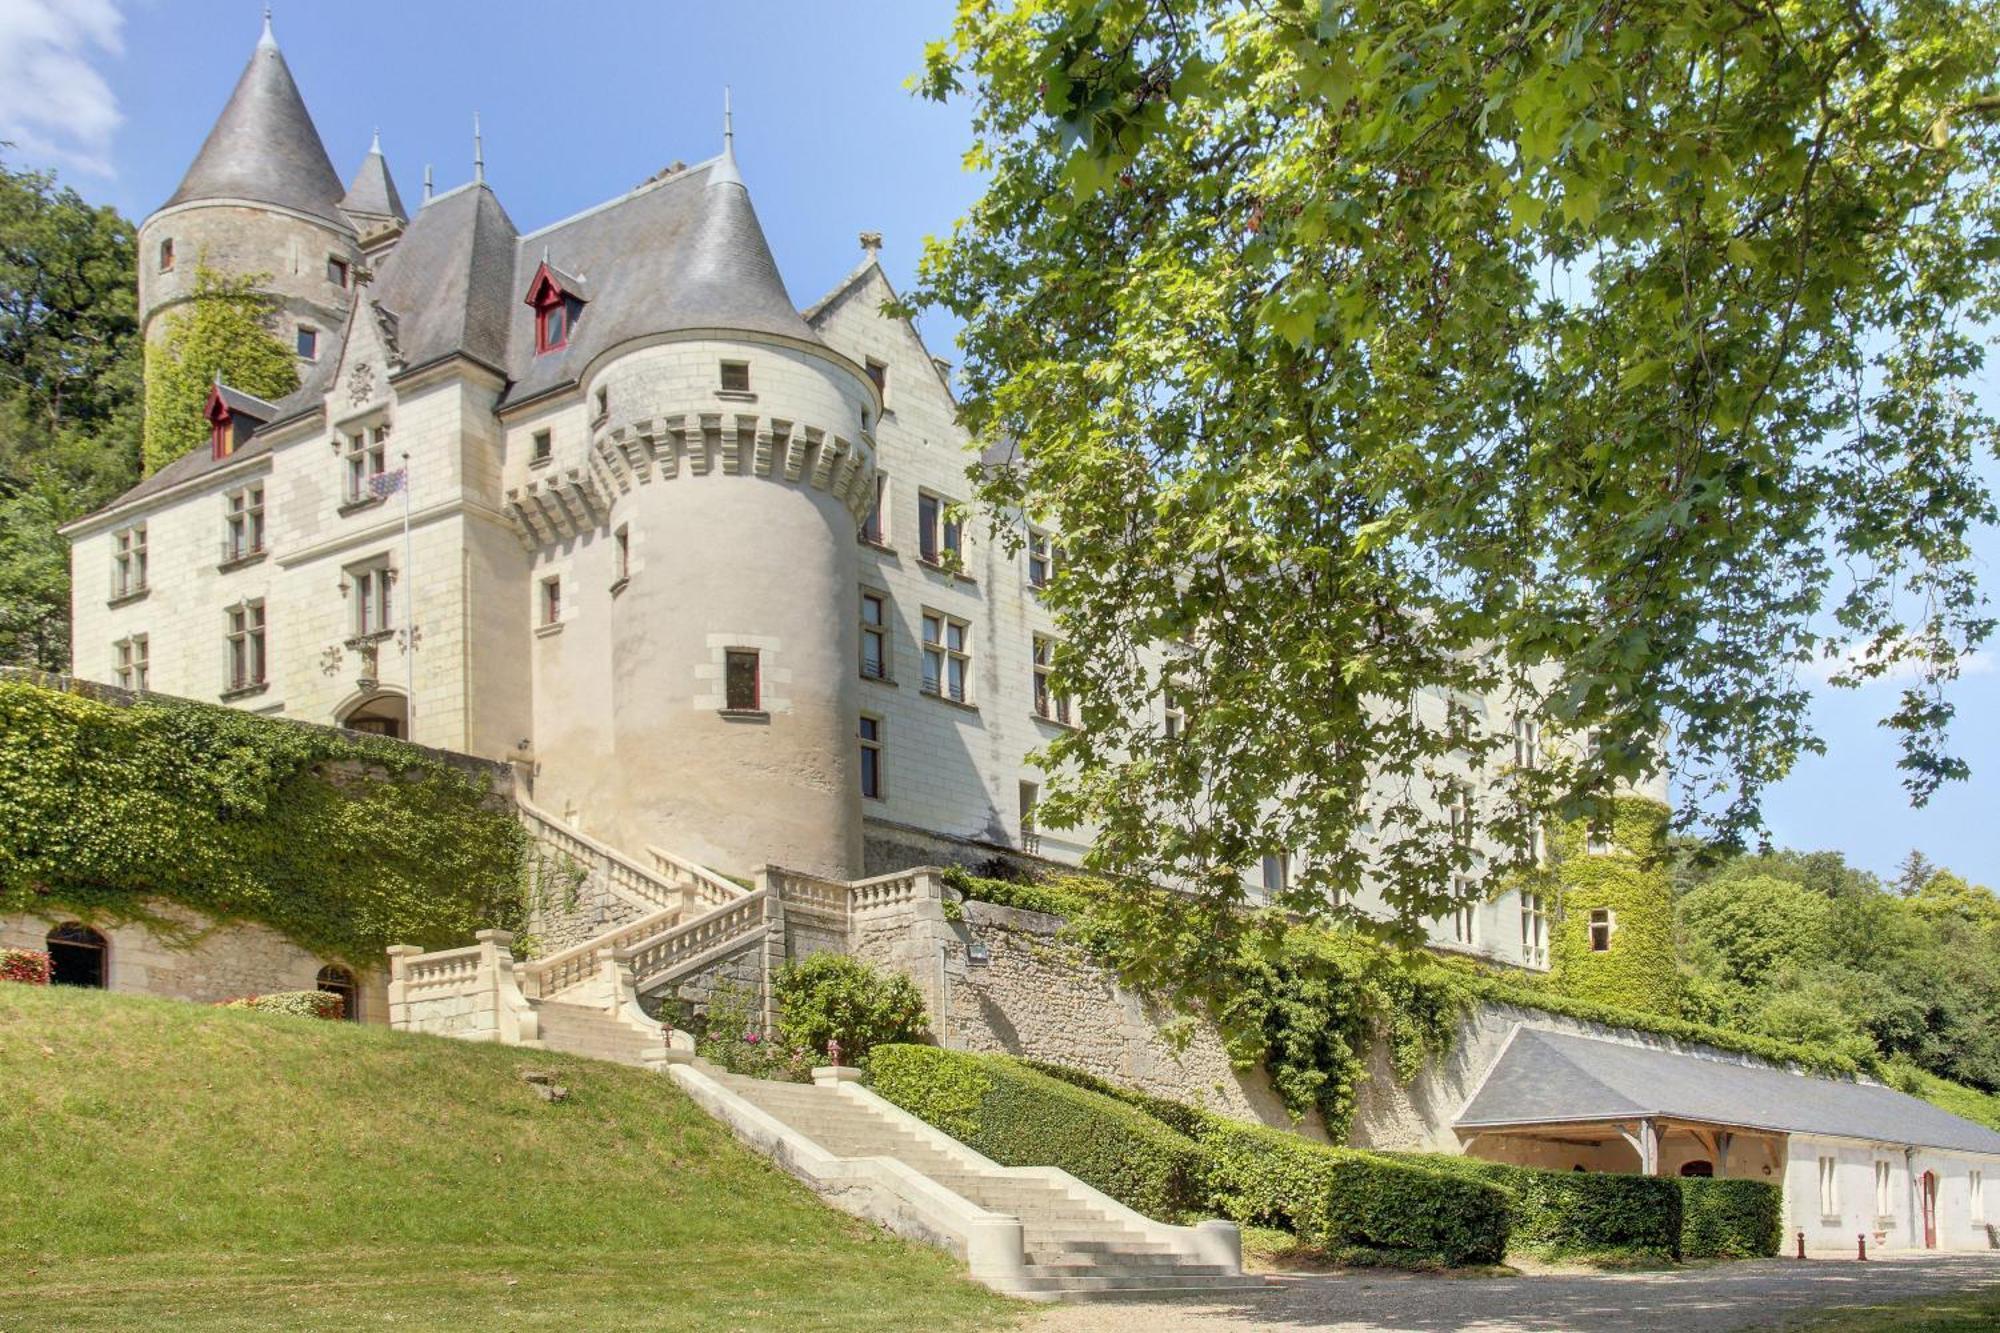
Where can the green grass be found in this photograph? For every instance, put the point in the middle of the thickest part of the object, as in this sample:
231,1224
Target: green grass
169,1165
1951,1312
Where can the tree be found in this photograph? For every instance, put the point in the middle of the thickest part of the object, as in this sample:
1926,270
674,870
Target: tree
224,332
1615,358
1914,872
69,396
1749,932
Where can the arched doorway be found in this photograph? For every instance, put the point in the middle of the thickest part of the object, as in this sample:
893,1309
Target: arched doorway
78,956
379,714
337,980
1698,1168
1927,1190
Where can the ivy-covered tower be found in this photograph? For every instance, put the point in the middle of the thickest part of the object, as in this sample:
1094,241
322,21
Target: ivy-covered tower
1613,937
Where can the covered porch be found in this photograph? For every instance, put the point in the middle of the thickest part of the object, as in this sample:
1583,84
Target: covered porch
1645,1145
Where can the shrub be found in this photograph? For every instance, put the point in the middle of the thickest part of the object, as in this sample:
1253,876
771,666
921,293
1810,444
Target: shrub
28,966
1730,1219
832,997
1561,1213
730,1032
297,1003
1019,1117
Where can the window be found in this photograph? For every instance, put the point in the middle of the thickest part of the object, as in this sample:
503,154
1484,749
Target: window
601,405
1464,919
337,980
1829,1188
1597,839
246,646
736,377
742,691
134,666
244,530
336,270
1048,704
879,372
1537,843
871,757
938,535
308,343
544,447
1458,717
1461,813
367,455
1885,1199
1975,1183
373,613
1534,930
551,327
1527,743
552,600
1041,559
1175,716
621,555
1601,926
167,255
947,658
1276,873
1030,797
128,561
874,636
873,530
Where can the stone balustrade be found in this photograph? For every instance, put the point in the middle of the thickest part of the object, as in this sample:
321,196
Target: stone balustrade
545,977
471,993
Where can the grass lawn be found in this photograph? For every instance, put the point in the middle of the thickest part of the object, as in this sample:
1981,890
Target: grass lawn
170,1165
1951,1312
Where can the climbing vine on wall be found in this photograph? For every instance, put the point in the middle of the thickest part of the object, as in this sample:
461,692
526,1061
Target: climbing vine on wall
1629,881
345,844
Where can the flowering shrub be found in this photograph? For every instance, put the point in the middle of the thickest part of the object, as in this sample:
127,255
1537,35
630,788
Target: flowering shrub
298,1003
28,966
830,997
731,1034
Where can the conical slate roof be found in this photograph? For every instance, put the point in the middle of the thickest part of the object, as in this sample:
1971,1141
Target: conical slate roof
264,146
373,190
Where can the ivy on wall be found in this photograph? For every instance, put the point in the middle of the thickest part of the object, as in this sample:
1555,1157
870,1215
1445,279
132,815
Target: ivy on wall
1630,882
344,844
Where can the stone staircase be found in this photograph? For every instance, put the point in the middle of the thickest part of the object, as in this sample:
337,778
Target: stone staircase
1075,1244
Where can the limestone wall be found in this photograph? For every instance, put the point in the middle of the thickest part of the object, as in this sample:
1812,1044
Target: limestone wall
195,959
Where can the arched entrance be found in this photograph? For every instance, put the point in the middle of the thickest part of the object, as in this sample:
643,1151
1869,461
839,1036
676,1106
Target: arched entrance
1698,1169
78,956
1927,1190
380,714
337,980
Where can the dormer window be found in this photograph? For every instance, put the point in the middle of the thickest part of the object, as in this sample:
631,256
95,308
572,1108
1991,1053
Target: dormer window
557,303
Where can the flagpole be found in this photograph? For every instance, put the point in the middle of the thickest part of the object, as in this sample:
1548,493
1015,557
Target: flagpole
409,617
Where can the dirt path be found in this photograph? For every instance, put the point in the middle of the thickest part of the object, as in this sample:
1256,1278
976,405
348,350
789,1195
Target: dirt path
1703,1300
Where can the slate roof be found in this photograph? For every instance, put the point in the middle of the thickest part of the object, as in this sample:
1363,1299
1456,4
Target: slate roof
450,280
264,147
373,189
1553,1077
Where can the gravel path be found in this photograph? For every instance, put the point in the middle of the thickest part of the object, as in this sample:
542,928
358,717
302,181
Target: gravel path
1704,1300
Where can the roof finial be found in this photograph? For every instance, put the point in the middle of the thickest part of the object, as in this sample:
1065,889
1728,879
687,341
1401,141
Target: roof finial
728,125
478,151
427,182
871,242
375,144
267,39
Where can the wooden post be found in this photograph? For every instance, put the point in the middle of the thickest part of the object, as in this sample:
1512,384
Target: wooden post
1649,1148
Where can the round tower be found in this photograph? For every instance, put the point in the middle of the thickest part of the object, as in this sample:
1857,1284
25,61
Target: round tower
261,198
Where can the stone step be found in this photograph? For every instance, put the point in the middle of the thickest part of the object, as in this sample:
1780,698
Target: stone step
1135,1284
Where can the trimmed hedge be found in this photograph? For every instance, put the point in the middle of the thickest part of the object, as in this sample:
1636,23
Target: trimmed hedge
27,966
1019,1117
1360,1205
297,1003
1730,1219
1558,1213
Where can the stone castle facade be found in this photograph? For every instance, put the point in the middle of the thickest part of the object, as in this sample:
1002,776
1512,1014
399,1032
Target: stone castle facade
600,500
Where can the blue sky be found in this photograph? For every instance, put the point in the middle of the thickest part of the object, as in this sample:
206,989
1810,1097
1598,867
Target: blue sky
582,101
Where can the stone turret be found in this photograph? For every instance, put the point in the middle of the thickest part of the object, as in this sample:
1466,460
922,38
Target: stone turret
373,205
261,198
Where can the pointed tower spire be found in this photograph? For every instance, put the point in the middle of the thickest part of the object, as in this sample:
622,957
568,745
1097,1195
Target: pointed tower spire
478,151
263,146
724,171
372,192
428,185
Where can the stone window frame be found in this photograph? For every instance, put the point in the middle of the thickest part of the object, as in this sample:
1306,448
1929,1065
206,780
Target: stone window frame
1604,920
736,660
871,736
1274,873
1048,705
1464,825
1041,551
243,527
549,603
1975,1185
164,259
1028,799
372,583
133,656
874,530
1829,1188
940,538
1173,715
1885,1188
733,377
339,272
246,659
1527,744
542,448
1534,928
364,456
305,342
879,631
129,562
946,654
1465,916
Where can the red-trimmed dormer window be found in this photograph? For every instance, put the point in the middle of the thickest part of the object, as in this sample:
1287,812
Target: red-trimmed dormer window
221,431
557,304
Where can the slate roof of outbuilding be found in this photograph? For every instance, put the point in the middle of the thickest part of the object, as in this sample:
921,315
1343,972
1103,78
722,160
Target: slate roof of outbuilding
264,146
1555,1078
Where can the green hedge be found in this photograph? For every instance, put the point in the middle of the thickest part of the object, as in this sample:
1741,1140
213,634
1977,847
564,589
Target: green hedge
1730,1219
1019,1117
1558,1213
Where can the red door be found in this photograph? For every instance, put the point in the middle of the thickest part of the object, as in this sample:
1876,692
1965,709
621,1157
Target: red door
1930,1210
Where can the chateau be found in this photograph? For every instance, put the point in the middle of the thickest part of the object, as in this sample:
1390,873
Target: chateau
601,505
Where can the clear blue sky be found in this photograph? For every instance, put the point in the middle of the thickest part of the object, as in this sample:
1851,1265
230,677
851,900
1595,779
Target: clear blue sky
582,101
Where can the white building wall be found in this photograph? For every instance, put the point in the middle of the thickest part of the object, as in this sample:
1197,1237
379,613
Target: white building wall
1856,1212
